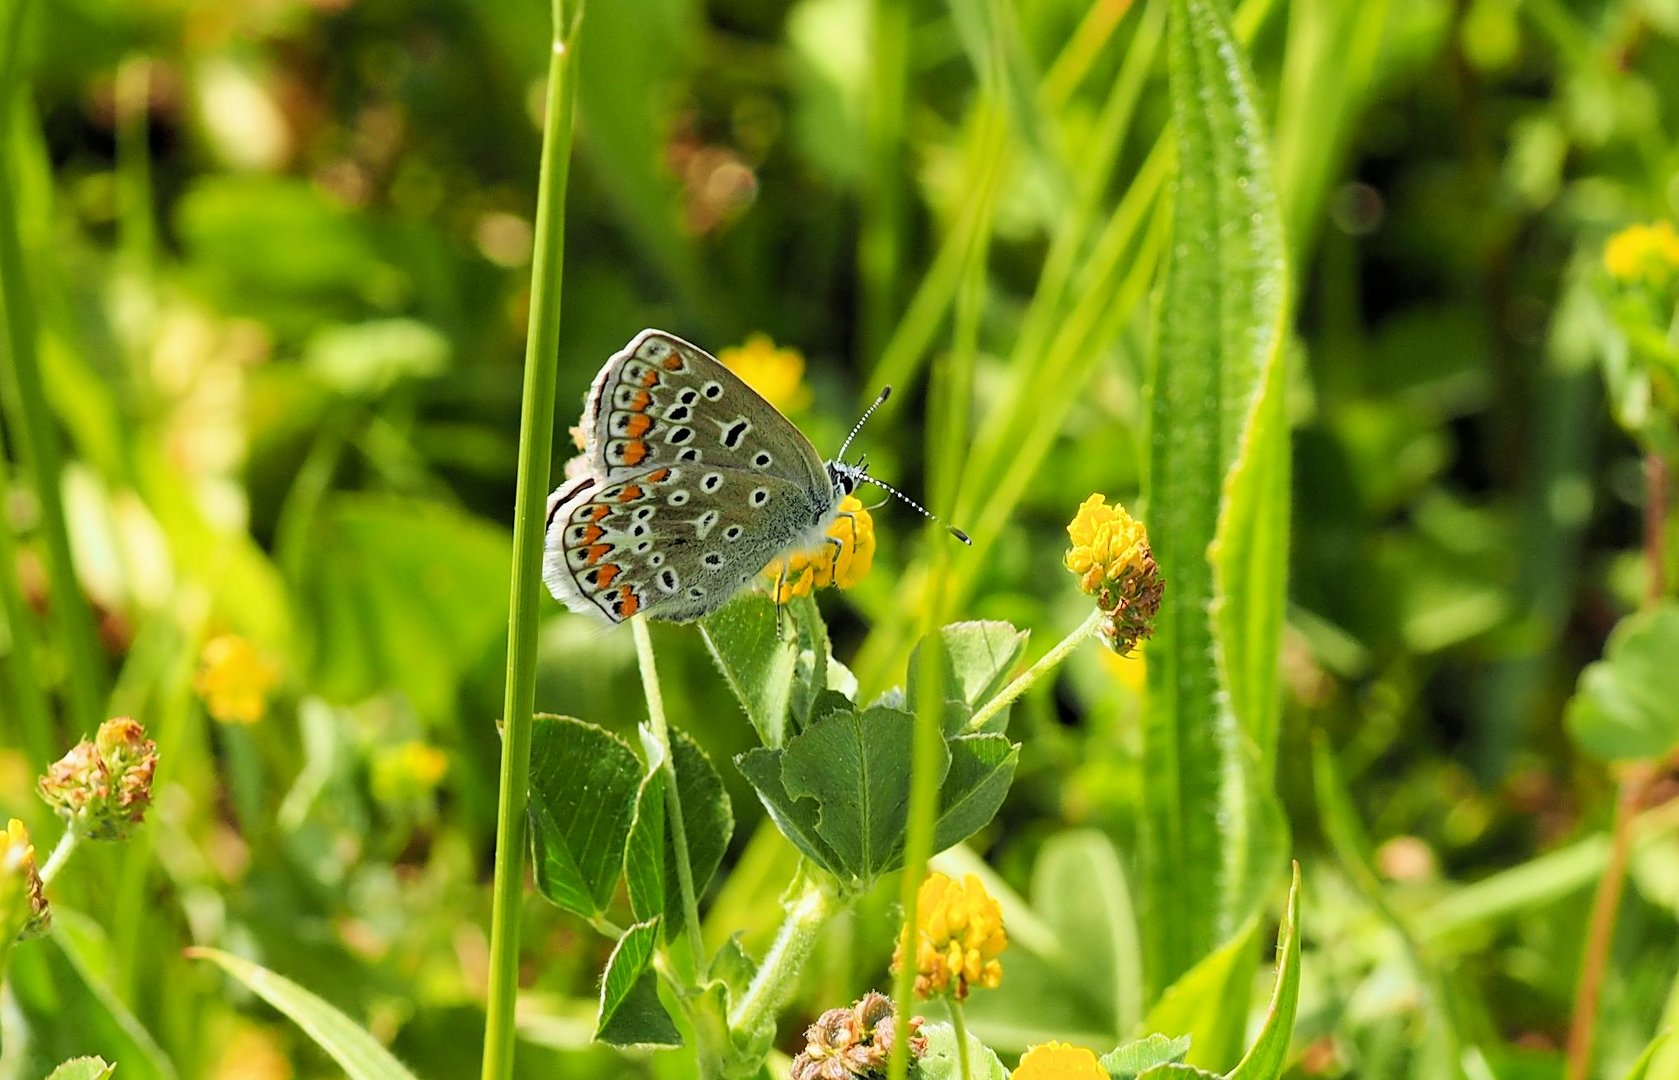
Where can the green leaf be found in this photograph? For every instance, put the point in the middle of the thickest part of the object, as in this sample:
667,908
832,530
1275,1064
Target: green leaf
708,822
644,851
1131,1060
1624,708
981,770
359,1054
1267,1057
978,659
813,664
795,818
1184,1072
941,1061
1217,498
369,358
395,589
83,1068
631,1013
583,790
1641,1068
856,768
756,661
1208,1002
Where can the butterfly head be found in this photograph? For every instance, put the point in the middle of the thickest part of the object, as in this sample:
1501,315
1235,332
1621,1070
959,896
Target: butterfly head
846,476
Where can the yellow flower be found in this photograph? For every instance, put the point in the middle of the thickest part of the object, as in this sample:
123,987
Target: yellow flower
1111,558
409,771
1647,253
1059,1061
958,937
777,374
826,565
23,905
234,680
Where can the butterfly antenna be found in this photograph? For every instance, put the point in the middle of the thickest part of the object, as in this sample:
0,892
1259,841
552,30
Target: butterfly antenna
885,392
922,510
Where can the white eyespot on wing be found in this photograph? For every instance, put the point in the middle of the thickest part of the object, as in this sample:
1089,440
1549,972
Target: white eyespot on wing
705,523
731,433
710,482
762,460
667,580
712,560
679,497
759,497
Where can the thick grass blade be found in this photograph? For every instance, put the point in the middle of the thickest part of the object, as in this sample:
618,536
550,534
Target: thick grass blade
359,1054
1218,516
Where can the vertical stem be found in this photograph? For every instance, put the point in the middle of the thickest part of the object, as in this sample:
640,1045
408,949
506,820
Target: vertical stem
1606,901
772,987
536,447
29,697
959,1025
673,798
30,420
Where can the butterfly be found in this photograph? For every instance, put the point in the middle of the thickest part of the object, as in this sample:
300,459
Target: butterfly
693,483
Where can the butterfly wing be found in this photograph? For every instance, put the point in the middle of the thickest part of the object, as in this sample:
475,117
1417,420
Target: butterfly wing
671,542
663,401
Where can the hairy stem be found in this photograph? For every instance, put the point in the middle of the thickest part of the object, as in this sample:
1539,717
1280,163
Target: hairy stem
778,976
1047,663
673,798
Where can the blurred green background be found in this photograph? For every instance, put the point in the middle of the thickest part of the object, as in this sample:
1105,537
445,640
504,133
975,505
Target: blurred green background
278,257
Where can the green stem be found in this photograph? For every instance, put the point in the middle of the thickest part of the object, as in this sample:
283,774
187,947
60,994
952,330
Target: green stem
959,1025
60,855
673,798
1023,682
30,417
536,447
778,976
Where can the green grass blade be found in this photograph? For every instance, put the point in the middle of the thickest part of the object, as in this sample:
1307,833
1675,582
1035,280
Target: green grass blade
359,1054
1217,493
536,447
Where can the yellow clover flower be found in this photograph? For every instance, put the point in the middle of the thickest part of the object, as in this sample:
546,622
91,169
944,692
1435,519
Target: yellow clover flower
1111,558
234,680
827,565
1059,1061
958,937
777,374
23,904
407,772
1643,253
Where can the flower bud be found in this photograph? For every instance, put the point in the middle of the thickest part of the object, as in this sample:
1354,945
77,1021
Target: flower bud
102,787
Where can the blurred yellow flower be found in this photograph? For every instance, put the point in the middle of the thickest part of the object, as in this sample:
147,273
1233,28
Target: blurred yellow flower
777,374
1059,1061
234,680
409,771
23,904
1111,558
958,937
844,565
1646,253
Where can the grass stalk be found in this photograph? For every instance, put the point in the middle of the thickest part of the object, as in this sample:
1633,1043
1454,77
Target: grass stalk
536,447
29,417
673,798
19,648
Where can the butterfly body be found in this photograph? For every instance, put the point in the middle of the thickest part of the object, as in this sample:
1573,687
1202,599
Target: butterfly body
693,484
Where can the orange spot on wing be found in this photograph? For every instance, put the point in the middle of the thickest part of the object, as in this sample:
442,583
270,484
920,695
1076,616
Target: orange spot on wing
598,511
634,451
631,492
659,476
673,362
608,571
597,552
641,400
631,602
592,533
637,425
650,380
